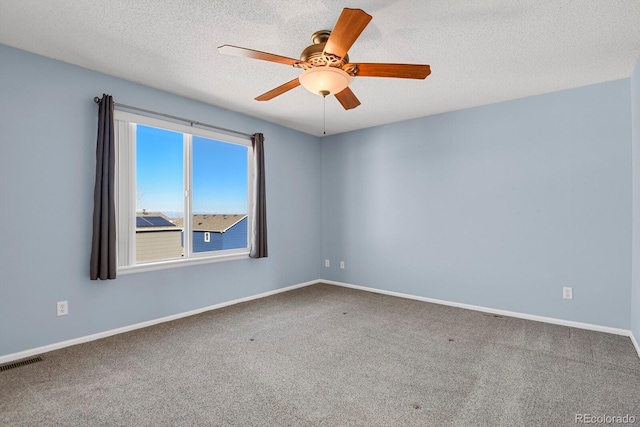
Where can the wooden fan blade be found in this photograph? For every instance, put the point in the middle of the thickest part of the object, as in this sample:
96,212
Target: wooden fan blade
255,54
279,90
349,26
403,71
348,99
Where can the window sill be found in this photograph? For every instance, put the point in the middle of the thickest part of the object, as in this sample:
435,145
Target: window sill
175,263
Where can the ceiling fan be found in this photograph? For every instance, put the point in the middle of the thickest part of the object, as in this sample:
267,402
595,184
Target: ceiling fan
327,70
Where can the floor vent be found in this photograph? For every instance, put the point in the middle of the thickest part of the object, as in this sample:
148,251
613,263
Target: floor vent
20,363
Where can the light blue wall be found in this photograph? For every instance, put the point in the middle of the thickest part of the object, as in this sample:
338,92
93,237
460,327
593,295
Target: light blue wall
48,124
635,125
497,206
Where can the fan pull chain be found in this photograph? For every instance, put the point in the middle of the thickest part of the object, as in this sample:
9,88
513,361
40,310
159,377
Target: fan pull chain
324,94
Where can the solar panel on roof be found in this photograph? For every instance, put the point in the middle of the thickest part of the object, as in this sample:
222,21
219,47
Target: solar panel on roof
152,221
141,222
158,221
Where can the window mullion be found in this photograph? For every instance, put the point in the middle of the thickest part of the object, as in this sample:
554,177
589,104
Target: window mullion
188,191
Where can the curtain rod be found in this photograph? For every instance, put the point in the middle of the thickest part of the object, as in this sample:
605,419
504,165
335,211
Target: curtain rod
192,122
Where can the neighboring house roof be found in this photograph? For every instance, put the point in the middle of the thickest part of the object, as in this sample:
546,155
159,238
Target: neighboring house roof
154,221
217,223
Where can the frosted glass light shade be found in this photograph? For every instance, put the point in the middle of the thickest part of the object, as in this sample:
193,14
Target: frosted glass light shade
333,80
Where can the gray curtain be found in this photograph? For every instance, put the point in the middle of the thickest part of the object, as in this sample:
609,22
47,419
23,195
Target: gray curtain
259,236
103,245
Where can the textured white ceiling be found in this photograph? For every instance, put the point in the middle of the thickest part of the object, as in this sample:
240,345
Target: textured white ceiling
480,51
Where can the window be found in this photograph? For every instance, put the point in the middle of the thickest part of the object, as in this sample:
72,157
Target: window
183,194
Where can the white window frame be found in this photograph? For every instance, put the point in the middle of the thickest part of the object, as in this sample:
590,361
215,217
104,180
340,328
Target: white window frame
125,139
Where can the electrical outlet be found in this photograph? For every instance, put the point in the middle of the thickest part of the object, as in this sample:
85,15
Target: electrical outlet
342,265
63,308
327,263
567,293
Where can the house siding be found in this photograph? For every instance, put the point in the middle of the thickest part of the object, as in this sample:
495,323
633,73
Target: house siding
158,245
233,238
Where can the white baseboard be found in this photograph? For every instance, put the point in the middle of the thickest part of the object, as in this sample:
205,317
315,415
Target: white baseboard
44,349
635,343
562,322
93,337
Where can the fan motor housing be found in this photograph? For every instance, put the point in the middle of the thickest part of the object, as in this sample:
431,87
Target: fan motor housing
314,56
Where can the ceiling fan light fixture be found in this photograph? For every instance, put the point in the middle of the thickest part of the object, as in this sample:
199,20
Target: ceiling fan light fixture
320,79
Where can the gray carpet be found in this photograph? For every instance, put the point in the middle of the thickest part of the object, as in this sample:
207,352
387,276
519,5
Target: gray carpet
330,356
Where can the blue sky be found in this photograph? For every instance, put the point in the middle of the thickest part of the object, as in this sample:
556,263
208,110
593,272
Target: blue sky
219,173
